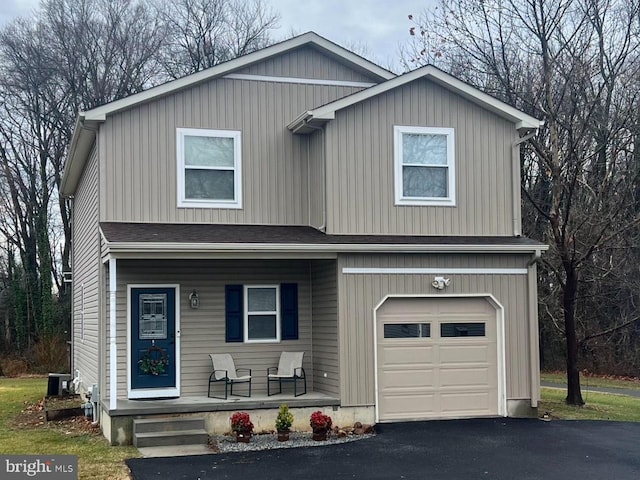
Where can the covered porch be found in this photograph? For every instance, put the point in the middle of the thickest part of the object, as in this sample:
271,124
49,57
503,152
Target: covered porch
150,308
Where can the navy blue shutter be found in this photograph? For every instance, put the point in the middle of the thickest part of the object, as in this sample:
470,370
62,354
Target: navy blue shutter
233,313
289,309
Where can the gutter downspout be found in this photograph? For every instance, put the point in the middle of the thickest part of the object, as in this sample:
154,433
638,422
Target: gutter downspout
534,343
515,182
323,227
113,348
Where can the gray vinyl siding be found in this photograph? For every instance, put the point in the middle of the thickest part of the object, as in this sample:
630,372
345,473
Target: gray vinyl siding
307,62
316,179
360,166
86,251
360,293
202,331
139,173
324,309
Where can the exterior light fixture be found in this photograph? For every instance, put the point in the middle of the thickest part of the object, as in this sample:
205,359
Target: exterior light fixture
194,301
440,283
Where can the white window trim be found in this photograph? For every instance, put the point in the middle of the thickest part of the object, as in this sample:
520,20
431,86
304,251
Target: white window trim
237,168
246,315
450,201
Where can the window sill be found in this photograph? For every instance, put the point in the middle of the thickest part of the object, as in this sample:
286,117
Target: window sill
217,205
425,203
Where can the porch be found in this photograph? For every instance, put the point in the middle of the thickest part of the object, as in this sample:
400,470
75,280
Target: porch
200,404
214,414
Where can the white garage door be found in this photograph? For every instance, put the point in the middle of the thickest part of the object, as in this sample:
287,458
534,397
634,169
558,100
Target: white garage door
437,358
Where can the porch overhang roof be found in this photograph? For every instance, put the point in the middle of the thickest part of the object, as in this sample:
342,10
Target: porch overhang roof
195,240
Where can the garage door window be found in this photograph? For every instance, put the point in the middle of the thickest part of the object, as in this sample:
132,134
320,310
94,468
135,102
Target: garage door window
407,330
462,330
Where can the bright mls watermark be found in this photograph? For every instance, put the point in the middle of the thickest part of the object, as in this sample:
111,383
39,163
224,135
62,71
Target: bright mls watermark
50,467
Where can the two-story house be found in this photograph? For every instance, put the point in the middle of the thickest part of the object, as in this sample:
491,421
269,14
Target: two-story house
301,198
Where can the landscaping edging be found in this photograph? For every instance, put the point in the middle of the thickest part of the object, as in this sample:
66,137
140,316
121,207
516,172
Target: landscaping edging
228,444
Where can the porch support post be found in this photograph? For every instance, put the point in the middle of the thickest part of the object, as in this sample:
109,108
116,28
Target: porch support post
113,348
534,340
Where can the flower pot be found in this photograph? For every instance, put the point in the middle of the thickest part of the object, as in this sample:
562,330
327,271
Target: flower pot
319,435
243,437
283,435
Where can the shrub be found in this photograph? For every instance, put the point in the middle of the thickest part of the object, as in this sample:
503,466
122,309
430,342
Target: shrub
285,418
50,354
14,367
320,421
241,422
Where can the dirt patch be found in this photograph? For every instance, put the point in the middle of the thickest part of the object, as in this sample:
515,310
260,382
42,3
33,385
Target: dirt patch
32,416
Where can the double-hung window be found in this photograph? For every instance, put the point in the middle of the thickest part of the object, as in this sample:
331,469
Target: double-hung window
209,168
262,313
424,160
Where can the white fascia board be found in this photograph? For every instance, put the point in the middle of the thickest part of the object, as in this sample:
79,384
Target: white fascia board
298,80
310,38
521,119
435,271
84,135
207,248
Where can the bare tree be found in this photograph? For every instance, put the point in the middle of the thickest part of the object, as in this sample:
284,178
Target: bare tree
204,33
74,55
570,63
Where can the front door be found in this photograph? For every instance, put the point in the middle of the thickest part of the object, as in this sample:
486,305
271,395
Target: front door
153,364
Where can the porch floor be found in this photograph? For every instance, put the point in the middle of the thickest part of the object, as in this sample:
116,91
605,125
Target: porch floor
126,407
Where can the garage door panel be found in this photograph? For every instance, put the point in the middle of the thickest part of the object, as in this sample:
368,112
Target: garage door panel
411,405
465,377
433,376
406,356
454,354
407,378
462,404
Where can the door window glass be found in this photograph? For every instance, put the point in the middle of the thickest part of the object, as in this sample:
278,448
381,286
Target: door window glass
407,330
462,329
153,316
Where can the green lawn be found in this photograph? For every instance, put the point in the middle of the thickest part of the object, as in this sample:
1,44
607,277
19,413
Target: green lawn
599,406
593,381
100,461
97,459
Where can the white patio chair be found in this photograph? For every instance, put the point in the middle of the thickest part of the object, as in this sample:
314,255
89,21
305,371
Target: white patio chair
289,370
224,370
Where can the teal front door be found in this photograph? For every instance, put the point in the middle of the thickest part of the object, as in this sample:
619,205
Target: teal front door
153,342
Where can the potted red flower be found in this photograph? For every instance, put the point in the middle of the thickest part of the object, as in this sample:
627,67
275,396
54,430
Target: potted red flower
242,426
320,424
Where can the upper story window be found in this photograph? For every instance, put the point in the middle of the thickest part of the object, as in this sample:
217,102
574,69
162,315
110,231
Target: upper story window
424,166
209,168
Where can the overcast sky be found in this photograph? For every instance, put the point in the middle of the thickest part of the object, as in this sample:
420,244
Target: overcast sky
378,25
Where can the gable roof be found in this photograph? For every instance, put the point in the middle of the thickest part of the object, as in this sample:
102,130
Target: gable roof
310,38
88,121
306,122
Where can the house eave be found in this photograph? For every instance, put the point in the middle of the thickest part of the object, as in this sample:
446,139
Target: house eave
521,120
309,38
308,122
84,136
287,250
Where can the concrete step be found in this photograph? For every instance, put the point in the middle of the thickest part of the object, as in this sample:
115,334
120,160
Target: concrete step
163,439
169,424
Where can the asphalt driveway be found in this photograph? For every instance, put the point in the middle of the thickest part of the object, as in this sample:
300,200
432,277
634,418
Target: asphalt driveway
455,449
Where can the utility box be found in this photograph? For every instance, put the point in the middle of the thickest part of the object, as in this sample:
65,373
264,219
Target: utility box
56,383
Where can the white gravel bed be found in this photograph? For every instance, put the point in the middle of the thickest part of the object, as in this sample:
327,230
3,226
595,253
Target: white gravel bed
227,443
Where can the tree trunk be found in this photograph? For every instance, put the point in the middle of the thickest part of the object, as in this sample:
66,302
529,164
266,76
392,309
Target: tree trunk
574,395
